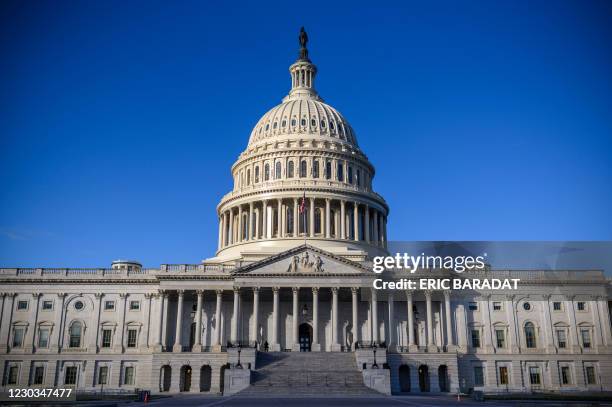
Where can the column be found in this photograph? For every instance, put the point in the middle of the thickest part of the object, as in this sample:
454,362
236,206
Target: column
250,228
354,292
366,223
217,337
29,343
240,225
3,324
549,342
374,306
294,320
375,228
224,229
163,328
327,219
315,320
123,308
384,231
342,219
312,217
335,346
275,346
486,313
514,343
391,329
230,239
450,344
254,336
235,317
264,220
411,344
93,347
179,323
220,238
597,337
144,337
279,217
160,307
430,342
356,221
197,343
296,218
59,319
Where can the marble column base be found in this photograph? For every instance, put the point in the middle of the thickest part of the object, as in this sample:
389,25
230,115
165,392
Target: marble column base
315,347
295,347
216,348
335,347
413,348
432,348
275,347
196,348
177,347
157,347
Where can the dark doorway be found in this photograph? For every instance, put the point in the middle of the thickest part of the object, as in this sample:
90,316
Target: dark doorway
443,378
404,378
424,378
192,333
205,378
166,377
185,383
222,378
305,334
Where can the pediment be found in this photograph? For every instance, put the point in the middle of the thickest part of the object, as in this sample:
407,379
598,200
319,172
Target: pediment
301,261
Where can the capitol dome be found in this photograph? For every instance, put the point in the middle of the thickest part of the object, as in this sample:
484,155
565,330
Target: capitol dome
301,180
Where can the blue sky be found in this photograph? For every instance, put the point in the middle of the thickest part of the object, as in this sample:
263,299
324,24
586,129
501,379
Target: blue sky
119,121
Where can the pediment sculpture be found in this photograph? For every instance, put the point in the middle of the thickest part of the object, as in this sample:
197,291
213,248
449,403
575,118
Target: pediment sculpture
304,264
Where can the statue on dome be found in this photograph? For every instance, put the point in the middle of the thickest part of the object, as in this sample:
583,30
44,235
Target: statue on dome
303,38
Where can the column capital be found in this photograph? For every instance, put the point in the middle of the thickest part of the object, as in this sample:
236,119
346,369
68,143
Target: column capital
98,295
354,290
427,294
199,291
485,296
546,296
256,289
124,295
447,295
180,292
295,290
335,290
147,295
510,297
219,292
236,290
276,289
61,295
36,295
409,295
569,297
163,293
315,290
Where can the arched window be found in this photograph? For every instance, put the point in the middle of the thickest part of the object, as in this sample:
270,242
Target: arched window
284,123
358,178
331,125
530,337
257,174
76,332
315,169
267,172
350,175
313,122
292,122
303,122
290,166
340,171
249,176
277,170
328,170
303,169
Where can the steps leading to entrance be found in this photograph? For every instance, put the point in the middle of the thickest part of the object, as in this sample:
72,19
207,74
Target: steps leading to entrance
307,374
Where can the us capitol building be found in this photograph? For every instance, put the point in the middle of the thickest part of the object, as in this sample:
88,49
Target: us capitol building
287,305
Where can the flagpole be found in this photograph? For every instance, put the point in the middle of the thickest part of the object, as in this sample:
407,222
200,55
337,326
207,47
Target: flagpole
304,215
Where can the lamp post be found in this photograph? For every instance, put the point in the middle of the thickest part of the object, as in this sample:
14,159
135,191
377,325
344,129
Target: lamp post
239,365
374,365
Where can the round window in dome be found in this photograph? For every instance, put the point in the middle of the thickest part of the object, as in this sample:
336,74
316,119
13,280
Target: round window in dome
293,122
331,125
303,122
79,305
313,122
526,306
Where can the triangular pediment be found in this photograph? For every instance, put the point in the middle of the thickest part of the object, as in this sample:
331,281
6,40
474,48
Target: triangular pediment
301,261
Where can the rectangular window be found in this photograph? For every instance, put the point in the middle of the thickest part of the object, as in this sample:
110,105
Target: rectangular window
39,375
581,306
107,336
473,306
13,374
315,169
478,376
328,170
43,338
109,305
18,337
497,306
590,375
585,334
340,171
565,375
22,305
475,338
134,305
503,375
129,375
103,375
132,336
556,306
47,305
561,338
500,336
534,375
70,375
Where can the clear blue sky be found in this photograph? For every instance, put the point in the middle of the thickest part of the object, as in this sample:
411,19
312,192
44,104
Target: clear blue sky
119,120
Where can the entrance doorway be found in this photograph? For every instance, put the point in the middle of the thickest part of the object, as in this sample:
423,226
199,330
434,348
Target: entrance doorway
166,377
423,378
404,378
443,378
305,334
205,378
185,383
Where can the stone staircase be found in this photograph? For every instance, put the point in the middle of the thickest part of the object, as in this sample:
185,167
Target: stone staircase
306,374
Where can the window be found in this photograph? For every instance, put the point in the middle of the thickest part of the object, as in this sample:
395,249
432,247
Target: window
293,122
332,125
565,375
497,306
328,170
249,176
129,375
275,125
79,305
47,305
267,126
503,375
277,170
103,375
290,169
132,336
530,338
585,334
561,338
473,306
22,305
303,171
475,338
556,306
18,334
107,337
75,335
267,172
323,123
478,376
534,375
70,375
303,122
256,174
581,305
284,123
39,375
590,375
43,338
315,169
340,171
350,175
526,306
134,305
500,337
109,305
318,216
358,177
13,374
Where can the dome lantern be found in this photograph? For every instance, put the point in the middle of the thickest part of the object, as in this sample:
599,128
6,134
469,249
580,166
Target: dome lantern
303,73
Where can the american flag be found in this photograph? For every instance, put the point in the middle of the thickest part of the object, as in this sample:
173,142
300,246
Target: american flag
303,203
